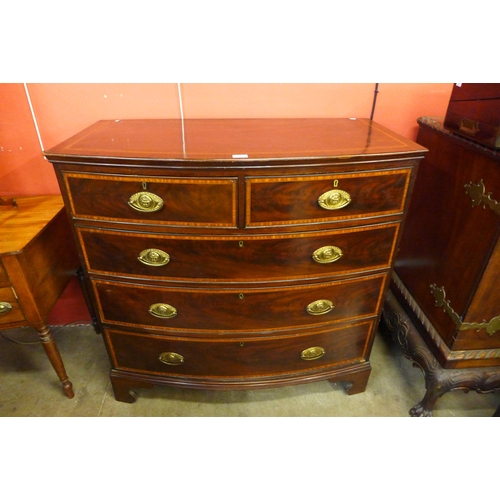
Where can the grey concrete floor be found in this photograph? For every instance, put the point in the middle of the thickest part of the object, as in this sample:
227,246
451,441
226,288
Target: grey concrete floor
30,387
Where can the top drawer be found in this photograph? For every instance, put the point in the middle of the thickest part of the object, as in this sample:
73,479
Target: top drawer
308,199
157,200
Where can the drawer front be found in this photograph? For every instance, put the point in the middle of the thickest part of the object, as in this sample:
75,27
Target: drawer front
237,358
168,201
294,200
10,310
245,309
239,259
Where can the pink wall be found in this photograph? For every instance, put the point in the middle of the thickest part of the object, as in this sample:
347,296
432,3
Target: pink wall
60,110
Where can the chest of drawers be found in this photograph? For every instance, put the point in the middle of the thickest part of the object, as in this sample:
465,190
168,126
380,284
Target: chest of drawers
233,254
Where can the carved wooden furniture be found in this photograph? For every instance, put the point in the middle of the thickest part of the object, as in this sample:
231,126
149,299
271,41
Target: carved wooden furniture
447,271
233,254
37,260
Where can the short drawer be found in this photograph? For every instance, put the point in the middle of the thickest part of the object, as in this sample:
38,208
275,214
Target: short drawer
238,258
243,309
156,200
237,358
302,200
10,310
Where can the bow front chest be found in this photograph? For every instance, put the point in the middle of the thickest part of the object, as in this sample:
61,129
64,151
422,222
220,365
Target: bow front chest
236,253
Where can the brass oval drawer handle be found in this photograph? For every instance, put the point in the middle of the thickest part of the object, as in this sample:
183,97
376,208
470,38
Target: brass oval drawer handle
334,199
162,310
5,307
327,255
312,353
319,307
154,257
145,202
171,358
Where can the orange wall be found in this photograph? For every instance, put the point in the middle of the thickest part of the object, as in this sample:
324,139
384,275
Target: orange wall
60,110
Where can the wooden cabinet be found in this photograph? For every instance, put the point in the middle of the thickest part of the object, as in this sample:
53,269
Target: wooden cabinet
37,260
447,271
236,253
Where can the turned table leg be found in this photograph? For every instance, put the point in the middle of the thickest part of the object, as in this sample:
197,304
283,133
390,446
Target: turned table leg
55,359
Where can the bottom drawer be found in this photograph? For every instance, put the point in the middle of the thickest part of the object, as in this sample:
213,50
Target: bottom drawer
10,310
243,357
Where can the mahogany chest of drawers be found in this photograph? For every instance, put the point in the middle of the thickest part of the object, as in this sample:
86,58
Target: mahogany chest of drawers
236,253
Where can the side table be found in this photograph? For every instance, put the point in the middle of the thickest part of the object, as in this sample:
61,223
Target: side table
37,260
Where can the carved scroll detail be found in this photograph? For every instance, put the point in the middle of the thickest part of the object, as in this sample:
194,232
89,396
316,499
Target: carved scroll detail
438,380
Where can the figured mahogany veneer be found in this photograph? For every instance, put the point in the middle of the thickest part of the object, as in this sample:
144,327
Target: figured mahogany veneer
210,202
239,258
236,253
241,309
218,359
275,200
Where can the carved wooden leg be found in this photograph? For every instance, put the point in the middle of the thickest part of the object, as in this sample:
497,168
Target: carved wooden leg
55,359
436,385
441,380
438,380
414,348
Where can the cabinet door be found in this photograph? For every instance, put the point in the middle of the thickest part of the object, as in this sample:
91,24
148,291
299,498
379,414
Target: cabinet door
451,233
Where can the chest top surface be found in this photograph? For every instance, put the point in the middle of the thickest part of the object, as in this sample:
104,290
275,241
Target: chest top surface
233,140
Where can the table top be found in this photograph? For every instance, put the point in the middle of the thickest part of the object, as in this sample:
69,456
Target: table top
20,224
235,140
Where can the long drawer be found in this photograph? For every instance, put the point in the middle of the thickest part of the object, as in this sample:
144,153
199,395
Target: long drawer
251,356
238,258
294,200
238,310
10,310
158,200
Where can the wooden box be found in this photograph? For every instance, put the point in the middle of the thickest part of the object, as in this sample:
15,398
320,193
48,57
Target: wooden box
474,112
